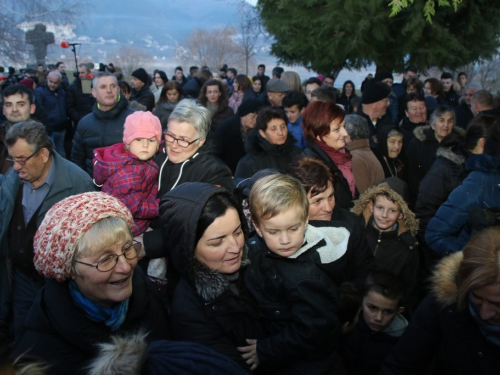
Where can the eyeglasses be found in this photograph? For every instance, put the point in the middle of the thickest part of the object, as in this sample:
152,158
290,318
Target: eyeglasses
181,142
21,161
108,263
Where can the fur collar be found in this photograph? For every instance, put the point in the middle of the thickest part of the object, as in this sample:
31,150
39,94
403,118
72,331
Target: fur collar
210,284
336,239
407,223
448,154
444,279
426,133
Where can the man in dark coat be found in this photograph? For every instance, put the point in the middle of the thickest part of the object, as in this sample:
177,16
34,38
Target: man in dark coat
449,93
104,126
482,103
463,111
374,104
39,179
141,93
79,104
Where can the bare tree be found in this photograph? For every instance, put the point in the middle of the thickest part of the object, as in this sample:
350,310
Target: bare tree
251,36
212,48
13,13
129,58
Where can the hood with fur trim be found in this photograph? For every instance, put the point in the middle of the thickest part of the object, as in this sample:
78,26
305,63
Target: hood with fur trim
445,279
447,153
407,223
426,133
180,211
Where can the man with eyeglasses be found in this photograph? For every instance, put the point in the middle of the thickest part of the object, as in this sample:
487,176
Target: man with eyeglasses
38,179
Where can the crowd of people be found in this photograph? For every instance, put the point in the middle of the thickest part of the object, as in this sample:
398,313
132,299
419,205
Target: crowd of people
227,224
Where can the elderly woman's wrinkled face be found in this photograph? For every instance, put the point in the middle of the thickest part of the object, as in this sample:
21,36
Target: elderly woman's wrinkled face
394,146
185,133
106,288
276,132
443,125
487,299
321,205
221,246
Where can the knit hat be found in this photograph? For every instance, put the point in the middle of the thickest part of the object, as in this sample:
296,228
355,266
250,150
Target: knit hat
141,125
27,82
141,75
385,75
277,85
375,92
63,226
251,105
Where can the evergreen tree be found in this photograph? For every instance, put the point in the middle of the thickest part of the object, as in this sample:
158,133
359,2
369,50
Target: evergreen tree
329,35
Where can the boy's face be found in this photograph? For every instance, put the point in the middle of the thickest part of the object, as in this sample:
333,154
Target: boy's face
385,213
293,113
143,148
379,311
283,233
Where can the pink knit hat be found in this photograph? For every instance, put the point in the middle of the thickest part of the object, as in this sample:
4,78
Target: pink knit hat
141,125
65,223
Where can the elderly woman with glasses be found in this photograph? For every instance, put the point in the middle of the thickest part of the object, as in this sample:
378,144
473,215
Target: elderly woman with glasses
93,290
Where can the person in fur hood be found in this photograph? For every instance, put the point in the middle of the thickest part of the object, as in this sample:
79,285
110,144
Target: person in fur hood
390,229
205,231
132,355
456,329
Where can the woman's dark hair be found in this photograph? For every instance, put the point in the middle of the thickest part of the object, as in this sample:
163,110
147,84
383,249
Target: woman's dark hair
243,82
492,143
266,115
124,86
312,172
317,117
415,82
258,78
162,75
216,206
436,85
170,85
353,88
223,99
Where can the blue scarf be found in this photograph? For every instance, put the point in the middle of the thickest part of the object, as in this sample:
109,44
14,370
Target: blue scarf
490,331
113,318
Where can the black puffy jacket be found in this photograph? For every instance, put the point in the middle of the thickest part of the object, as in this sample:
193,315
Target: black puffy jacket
78,104
98,129
208,307
144,96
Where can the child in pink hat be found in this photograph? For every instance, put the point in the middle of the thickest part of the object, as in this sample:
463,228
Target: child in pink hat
127,170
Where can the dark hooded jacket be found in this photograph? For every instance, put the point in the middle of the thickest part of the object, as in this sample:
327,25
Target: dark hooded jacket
396,250
441,340
59,332
98,129
208,307
393,167
261,154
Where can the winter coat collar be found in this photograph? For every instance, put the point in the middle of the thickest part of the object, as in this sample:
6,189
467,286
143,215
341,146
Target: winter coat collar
258,145
113,112
336,241
484,163
449,154
426,133
407,223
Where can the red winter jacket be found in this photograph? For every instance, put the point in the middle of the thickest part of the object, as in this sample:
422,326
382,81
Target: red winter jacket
133,181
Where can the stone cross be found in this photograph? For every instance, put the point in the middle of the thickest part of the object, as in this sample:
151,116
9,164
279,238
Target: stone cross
40,38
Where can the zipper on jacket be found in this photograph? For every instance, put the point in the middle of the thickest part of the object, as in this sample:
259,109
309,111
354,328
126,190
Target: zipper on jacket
378,243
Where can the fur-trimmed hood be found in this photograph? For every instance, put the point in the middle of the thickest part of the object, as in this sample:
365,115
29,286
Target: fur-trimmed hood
444,279
180,211
426,133
132,355
361,207
449,154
